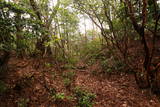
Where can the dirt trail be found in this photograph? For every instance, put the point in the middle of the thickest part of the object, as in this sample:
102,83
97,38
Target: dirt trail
115,90
30,79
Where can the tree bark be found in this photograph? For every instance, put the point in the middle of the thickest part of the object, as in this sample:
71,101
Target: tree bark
140,29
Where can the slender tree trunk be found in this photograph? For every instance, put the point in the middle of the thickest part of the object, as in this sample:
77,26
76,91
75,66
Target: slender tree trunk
19,38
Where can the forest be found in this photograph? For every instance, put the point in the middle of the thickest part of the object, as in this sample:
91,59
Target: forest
79,53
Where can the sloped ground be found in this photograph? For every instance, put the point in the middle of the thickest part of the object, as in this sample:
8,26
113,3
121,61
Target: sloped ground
31,80
116,90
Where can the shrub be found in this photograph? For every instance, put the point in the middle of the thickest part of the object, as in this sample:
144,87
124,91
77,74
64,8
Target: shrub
68,78
105,64
91,50
72,60
84,98
69,75
68,66
67,82
59,96
119,65
48,65
112,64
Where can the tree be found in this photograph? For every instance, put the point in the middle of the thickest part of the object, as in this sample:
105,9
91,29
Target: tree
142,13
45,15
14,26
105,15
66,26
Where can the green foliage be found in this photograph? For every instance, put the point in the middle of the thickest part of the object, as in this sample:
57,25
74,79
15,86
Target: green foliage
48,65
119,65
106,67
67,82
72,60
68,66
69,75
53,39
69,59
23,102
112,64
91,50
59,96
68,78
18,28
3,87
84,98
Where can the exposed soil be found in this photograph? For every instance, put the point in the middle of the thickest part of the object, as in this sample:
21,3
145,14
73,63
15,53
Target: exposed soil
31,79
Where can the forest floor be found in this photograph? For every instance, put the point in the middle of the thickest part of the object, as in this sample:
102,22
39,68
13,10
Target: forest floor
30,80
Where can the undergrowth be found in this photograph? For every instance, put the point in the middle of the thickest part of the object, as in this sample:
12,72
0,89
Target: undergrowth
108,59
90,51
84,98
68,78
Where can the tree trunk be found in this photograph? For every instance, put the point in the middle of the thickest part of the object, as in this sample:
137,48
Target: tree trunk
140,29
19,39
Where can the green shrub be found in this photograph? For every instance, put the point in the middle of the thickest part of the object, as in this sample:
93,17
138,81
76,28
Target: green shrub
106,66
91,51
112,64
68,66
84,98
68,78
72,60
119,65
48,65
59,96
91,61
67,82
69,75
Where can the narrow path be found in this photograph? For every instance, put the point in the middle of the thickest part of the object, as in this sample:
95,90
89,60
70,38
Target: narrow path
115,90
31,79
